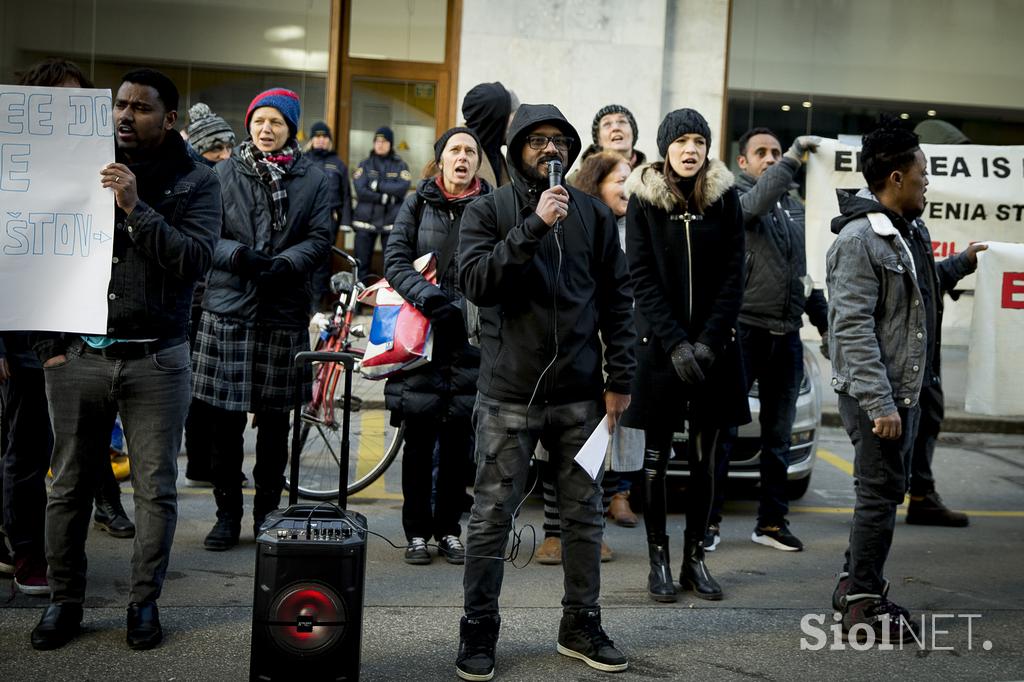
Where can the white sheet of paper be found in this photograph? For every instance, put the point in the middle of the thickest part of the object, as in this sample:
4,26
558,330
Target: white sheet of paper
591,455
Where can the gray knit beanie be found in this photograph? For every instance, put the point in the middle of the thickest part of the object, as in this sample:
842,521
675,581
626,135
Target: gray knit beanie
613,109
206,129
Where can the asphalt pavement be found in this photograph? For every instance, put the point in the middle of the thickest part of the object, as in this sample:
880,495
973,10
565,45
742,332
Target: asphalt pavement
965,582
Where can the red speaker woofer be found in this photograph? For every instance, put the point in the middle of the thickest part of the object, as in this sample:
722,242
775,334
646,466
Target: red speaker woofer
307,616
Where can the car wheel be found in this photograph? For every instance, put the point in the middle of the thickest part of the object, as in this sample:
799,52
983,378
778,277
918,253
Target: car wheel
796,489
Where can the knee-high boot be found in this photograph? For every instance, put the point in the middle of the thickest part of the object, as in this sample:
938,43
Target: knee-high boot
659,581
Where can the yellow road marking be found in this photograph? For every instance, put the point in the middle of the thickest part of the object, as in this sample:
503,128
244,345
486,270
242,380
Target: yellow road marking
836,461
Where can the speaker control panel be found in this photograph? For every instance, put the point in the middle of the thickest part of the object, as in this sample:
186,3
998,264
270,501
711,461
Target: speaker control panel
320,530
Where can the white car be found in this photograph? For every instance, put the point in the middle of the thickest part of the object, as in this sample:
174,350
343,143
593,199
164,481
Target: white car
744,464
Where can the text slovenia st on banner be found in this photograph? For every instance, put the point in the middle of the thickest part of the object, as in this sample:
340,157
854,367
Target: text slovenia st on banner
56,234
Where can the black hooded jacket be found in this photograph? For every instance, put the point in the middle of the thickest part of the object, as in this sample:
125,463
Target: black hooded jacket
542,296
486,108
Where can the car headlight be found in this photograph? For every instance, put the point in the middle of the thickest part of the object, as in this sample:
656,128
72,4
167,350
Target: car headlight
805,387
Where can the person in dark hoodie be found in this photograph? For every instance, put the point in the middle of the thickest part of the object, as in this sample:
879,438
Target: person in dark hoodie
884,289
436,401
166,216
684,241
381,181
488,109
545,267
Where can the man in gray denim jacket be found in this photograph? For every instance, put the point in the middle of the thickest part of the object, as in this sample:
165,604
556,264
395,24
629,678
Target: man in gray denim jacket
884,292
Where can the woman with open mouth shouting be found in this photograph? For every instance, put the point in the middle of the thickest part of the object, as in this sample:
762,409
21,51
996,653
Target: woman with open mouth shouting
436,400
684,244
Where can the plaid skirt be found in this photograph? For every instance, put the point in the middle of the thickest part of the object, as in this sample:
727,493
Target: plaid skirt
242,367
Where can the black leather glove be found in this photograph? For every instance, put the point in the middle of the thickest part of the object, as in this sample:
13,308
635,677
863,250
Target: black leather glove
449,331
824,349
685,363
249,263
705,356
280,273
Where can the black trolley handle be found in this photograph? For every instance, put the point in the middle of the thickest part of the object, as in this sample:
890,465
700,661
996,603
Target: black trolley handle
301,360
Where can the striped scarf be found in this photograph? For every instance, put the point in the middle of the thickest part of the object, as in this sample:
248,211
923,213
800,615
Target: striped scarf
271,170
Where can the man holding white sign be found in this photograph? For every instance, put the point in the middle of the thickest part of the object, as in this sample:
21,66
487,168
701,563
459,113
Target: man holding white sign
168,216
883,287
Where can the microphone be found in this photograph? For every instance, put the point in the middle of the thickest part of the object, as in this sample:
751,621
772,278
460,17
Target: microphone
554,173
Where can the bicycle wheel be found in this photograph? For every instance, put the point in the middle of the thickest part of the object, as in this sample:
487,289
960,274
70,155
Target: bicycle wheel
373,443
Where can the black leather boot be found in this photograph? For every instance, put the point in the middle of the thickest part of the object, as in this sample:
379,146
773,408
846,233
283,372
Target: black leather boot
659,582
110,516
225,532
694,575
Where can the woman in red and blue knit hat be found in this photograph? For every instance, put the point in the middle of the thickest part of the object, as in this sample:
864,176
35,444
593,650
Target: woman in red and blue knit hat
277,229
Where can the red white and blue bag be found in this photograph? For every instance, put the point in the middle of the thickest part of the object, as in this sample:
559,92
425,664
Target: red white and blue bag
400,337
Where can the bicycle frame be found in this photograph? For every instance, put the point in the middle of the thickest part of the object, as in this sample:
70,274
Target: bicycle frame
337,340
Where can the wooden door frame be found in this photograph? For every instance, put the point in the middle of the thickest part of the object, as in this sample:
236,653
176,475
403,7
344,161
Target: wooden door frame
342,69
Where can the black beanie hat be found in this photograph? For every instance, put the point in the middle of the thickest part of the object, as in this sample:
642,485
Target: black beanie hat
320,127
447,135
678,123
613,109
386,133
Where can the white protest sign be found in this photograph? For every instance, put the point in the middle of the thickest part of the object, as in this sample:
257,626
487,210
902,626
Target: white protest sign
995,372
56,220
974,194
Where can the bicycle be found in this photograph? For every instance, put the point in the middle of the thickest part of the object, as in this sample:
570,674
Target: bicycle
374,442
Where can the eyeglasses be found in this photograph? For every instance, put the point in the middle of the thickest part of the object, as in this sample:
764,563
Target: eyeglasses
539,142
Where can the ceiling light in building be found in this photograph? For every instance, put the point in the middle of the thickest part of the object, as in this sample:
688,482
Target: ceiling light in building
806,104
282,34
785,107
931,112
904,116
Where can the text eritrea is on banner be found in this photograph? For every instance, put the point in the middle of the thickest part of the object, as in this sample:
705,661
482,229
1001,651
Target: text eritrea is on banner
56,220
974,194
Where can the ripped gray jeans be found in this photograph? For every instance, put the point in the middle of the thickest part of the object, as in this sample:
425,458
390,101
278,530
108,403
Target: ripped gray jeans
505,440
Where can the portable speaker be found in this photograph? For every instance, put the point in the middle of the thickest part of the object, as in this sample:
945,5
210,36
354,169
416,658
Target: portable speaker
307,613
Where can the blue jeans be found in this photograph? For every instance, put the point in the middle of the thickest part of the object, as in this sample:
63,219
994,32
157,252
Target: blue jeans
506,437
776,361
85,394
881,469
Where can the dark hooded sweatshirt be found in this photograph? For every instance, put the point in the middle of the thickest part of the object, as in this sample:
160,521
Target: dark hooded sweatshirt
486,108
543,293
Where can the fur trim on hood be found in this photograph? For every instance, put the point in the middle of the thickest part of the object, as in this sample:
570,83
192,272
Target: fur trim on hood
649,183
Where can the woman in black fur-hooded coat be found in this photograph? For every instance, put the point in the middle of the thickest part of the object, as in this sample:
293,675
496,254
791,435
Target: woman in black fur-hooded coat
684,243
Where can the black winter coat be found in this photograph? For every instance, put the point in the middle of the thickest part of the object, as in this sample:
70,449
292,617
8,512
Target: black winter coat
423,225
379,179
304,242
542,299
688,285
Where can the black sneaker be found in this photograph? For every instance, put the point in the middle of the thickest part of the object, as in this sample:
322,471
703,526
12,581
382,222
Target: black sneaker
452,549
843,584
477,640
581,636
416,552
888,621
712,537
778,537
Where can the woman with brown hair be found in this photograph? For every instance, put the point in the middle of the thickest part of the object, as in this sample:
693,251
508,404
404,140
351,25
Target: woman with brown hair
684,243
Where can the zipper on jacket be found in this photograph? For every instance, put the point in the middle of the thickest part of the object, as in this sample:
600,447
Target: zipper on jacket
689,268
